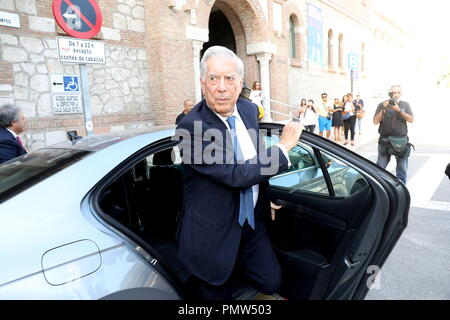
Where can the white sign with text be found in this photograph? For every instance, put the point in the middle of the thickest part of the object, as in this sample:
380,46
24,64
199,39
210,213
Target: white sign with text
73,50
8,19
67,103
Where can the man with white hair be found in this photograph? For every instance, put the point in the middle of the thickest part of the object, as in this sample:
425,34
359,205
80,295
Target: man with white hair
12,123
226,206
393,115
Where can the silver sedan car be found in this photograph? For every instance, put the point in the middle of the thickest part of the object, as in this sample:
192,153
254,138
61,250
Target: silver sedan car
96,218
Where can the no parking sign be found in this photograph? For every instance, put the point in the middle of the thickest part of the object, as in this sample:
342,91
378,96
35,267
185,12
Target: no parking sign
79,18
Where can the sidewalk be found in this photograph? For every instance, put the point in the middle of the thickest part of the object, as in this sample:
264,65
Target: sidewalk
368,136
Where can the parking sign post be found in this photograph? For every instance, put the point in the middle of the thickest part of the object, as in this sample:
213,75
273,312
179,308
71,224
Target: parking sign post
351,81
80,20
353,65
86,100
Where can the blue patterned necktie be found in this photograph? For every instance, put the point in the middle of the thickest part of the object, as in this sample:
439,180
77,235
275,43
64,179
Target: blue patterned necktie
246,210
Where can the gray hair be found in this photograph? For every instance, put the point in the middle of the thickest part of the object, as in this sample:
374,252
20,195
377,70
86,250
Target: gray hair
391,89
222,52
8,114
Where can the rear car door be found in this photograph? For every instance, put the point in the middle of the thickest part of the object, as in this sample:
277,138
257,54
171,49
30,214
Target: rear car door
341,216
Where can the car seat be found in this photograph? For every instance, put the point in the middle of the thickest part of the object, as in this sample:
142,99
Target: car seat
166,196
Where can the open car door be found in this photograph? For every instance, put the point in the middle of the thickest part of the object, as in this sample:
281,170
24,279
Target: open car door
341,216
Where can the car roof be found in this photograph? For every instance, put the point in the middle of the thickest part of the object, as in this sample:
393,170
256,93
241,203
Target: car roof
98,142
102,152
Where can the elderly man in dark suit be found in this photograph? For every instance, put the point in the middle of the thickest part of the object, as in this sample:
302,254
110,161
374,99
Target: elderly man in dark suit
12,123
226,206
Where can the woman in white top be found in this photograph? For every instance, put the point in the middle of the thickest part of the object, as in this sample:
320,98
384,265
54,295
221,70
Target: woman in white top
309,116
349,118
256,95
297,114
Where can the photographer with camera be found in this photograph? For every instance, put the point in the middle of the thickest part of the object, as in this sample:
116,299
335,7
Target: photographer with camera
393,115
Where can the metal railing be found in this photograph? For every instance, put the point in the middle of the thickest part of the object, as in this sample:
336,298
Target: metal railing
288,114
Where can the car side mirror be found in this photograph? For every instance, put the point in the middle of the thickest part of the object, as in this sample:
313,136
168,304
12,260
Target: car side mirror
73,136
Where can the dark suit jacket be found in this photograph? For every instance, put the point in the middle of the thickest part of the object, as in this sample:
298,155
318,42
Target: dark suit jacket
179,117
209,233
10,148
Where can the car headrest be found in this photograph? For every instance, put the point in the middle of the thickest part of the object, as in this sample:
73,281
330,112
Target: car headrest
140,170
163,158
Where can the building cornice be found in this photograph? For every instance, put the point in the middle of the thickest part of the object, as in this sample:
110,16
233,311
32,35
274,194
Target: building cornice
389,21
360,20
346,12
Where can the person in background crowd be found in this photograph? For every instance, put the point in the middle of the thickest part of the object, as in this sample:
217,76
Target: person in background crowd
325,112
447,171
301,109
187,107
358,103
337,121
349,119
309,117
12,123
257,97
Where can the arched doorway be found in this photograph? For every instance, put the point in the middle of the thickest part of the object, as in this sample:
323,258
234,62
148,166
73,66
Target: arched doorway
226,29
240,26
220,32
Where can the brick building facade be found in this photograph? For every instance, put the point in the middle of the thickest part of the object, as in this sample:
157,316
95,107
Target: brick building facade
153,49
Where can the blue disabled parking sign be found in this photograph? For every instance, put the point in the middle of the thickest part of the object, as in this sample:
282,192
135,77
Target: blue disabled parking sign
66,93
353,61
71,83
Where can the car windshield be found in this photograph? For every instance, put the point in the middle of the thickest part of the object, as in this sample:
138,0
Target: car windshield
23,172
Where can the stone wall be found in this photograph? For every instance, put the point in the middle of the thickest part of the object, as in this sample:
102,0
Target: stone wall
119,90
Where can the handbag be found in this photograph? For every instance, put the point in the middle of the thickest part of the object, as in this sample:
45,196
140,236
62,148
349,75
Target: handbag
329,116
260,112
360,114
346,115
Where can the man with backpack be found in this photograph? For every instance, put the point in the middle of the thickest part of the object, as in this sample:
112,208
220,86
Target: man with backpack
392,115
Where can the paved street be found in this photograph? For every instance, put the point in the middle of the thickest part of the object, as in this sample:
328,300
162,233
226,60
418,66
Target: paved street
419,266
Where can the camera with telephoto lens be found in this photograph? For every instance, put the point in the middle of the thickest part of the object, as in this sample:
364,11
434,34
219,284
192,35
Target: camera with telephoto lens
392,102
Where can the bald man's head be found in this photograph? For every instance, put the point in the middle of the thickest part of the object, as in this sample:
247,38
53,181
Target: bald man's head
188,105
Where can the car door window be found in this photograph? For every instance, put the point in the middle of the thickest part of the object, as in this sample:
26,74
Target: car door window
304,174
175,158
346,181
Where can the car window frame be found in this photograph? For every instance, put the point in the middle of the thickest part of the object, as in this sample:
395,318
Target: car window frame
319,153
131,238
319,162
326,174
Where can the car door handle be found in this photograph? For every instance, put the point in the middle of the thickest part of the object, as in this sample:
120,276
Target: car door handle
282,203
350,263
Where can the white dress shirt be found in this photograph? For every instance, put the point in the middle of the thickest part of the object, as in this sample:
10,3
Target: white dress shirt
246,144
